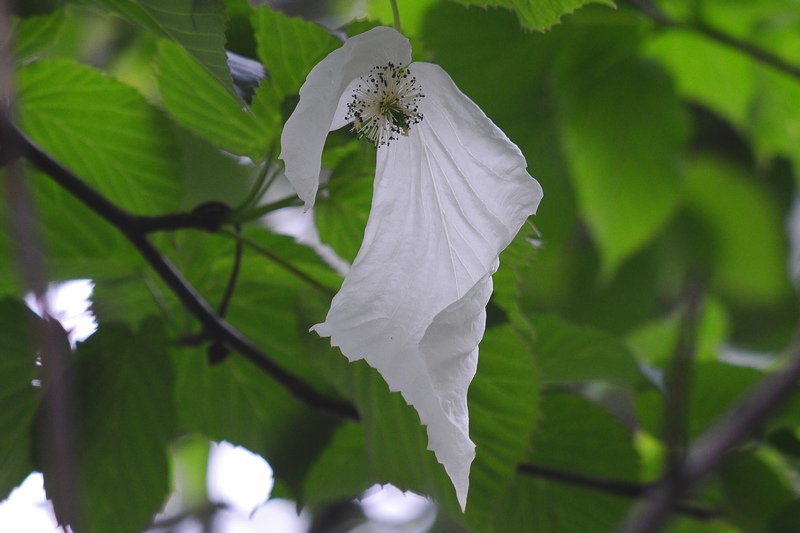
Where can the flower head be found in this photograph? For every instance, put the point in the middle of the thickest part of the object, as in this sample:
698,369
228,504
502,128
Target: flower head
451,192
385,104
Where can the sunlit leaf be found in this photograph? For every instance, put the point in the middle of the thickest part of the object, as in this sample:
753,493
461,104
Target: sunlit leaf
289,48
201,105
537,15
708,73
747,248
199,27
104,131
36,35
627,183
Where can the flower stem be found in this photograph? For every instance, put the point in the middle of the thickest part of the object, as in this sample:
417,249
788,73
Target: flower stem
396,15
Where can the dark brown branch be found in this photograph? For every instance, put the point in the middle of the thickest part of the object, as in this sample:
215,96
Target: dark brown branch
624,489
652,11
131,226
208,217
322,289
708,451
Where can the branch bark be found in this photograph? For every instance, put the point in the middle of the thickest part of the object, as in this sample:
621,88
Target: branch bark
709,450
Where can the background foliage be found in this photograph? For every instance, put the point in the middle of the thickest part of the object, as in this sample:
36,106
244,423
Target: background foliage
666,137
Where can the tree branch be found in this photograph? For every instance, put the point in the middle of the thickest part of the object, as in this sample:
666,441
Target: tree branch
709,450
652,11
136,229
209,217
614,487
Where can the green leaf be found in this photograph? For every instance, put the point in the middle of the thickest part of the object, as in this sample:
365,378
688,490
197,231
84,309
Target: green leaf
412,13
786,519
571,427
753,492
198,103
715,388
504,410
655,341
749,253
236,402
289,47
536,15
197,25
568,353
36,35
131,11
79,244
190,456
515,263
126,418
340,472
776,116
622,127
341,214
574,436
18,397
104,131
720,78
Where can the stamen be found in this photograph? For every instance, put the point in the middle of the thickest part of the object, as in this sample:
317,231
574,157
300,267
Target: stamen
385,104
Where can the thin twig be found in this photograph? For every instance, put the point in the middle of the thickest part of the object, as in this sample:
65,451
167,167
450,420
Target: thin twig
237,264
211,322
709,450
614,487
396,15
217,351
652,11
286,265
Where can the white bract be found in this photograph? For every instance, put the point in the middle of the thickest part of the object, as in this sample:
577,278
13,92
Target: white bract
451,192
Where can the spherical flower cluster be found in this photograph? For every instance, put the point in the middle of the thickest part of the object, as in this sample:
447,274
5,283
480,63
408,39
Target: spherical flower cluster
385,104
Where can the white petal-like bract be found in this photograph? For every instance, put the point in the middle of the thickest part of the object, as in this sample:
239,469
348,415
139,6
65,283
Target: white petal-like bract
304,133
448,198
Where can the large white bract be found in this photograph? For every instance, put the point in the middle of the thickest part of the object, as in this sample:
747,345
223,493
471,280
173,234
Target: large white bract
451,192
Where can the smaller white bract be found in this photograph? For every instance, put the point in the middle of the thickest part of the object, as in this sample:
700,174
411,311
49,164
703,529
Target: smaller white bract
451,192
